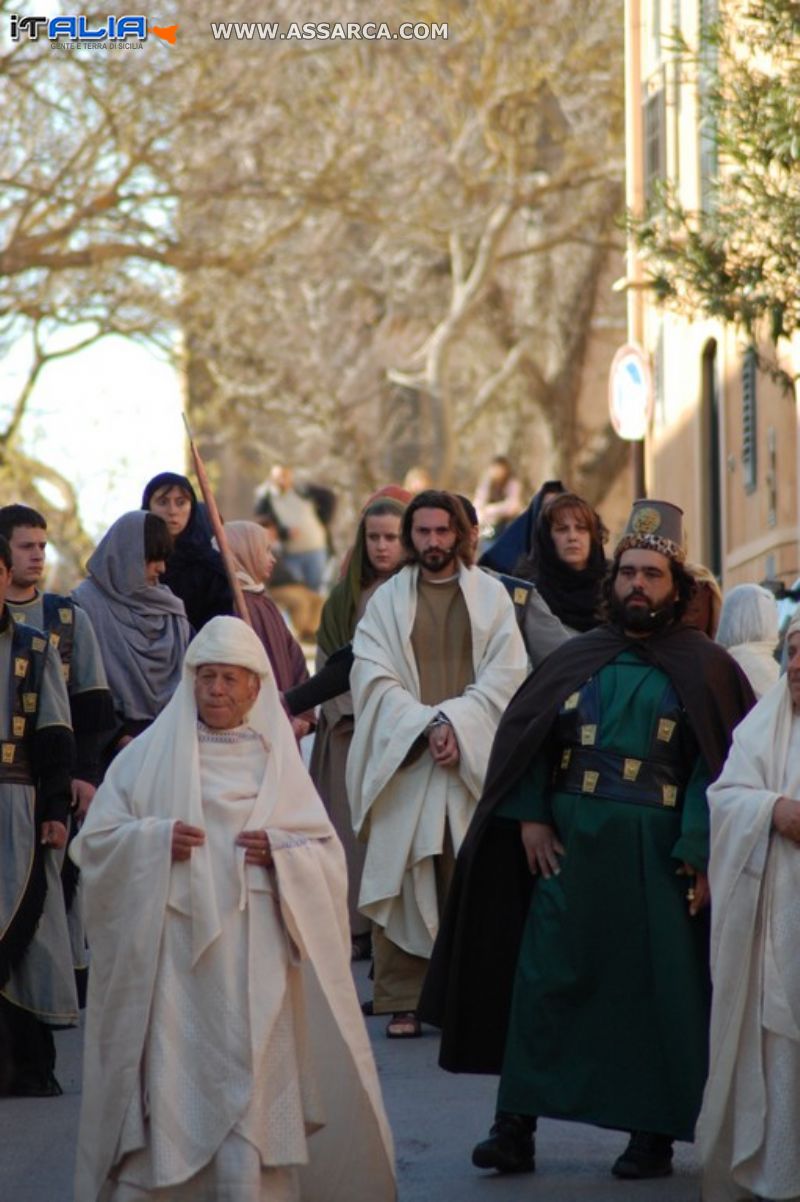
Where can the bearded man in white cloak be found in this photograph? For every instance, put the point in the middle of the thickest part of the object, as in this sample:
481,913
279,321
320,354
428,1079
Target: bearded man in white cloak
748,1128
438,656
226,1058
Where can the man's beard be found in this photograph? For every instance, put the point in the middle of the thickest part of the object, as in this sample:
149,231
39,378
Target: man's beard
641,619
437,559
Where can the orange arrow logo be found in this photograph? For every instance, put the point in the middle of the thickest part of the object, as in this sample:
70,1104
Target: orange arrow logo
165,32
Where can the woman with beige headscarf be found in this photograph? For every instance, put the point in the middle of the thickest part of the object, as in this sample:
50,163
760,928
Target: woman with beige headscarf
252,553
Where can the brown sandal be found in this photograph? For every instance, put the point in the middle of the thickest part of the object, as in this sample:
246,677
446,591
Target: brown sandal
404,1024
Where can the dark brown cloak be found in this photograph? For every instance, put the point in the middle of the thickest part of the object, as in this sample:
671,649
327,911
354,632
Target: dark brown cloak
470,980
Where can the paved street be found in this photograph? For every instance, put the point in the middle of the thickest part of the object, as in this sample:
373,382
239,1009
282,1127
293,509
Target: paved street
436,1118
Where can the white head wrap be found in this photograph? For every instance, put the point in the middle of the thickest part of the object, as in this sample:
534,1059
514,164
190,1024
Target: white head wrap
228,641
749,615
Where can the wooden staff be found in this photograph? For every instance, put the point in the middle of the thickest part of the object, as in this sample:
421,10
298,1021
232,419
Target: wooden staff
219,530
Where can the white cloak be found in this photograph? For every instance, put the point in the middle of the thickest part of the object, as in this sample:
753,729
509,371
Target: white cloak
747,1131
403,812
131,884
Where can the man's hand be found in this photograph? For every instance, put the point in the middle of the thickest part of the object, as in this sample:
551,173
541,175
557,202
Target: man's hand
698,894
443,746
54,834
257,849
542,847
301,727
82,794
184,839
786,818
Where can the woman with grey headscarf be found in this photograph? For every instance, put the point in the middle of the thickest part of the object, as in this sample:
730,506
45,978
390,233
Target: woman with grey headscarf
141,625
748,628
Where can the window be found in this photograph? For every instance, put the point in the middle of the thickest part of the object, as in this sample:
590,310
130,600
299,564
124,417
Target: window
749,431
655,138
659,394
707,130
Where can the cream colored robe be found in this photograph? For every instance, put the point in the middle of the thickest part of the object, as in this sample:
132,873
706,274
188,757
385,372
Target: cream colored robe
748,1127
132,887
405,810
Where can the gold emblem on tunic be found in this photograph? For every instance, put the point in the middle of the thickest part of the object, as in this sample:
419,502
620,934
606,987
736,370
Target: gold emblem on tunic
18,727
20,665
65,616
669,795
566,756
572,702
588,736
646,521
630,769
38,644
8,753
520,596
590,780
29,702
18,617
55,639
666,729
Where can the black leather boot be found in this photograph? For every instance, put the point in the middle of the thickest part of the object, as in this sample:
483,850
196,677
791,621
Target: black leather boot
647,1155
510,1146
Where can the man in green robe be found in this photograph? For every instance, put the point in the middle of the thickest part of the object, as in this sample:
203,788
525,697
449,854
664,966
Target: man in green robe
605,1012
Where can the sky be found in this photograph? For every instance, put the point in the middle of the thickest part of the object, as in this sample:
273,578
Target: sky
108,418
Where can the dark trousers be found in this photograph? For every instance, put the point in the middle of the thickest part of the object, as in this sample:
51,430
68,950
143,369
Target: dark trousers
27,1048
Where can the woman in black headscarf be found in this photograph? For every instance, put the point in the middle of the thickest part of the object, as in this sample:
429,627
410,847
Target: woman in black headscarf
567,563
195,571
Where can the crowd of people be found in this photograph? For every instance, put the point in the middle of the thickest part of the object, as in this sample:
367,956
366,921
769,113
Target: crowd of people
542,799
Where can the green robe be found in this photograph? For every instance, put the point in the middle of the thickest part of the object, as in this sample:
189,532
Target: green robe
609,1017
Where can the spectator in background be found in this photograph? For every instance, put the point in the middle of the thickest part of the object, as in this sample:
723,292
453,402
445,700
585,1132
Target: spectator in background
417,479
302,604
517,539
748,629
304,536
498,499
195,571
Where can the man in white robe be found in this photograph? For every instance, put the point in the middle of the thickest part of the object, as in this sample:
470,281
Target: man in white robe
226,1058
748,1128
438,656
